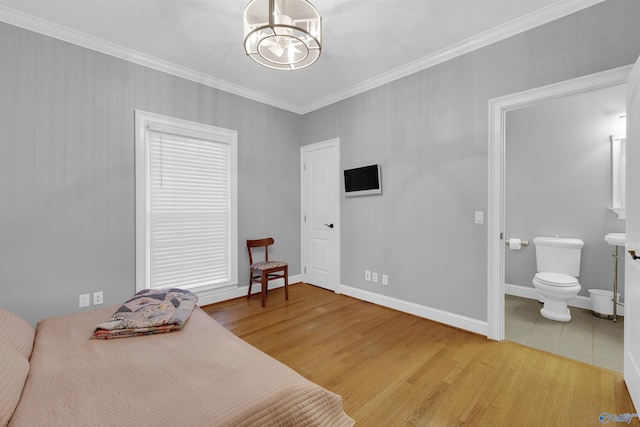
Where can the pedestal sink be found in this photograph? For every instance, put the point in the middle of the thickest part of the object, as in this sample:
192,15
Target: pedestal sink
615,239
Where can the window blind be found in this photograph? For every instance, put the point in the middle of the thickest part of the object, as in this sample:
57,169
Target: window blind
189,217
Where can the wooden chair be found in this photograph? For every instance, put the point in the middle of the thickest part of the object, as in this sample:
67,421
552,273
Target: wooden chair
264,271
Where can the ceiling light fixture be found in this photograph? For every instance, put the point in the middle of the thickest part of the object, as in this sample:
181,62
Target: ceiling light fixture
282,34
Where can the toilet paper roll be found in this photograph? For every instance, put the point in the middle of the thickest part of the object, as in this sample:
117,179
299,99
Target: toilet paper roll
515,244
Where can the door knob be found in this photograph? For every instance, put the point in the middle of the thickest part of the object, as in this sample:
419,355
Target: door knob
633,255
329,225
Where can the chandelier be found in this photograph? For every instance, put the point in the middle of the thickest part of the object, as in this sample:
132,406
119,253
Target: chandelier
282,34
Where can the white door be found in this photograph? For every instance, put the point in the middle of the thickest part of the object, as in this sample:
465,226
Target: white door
632,267
319,164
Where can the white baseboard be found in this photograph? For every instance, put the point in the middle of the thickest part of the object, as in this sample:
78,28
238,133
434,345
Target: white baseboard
532,293
441,316
451,319
240,291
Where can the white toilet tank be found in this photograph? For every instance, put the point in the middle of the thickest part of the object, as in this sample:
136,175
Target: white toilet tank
558,255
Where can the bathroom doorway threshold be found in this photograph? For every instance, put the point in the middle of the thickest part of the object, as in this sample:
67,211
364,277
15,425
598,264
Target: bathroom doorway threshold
586,338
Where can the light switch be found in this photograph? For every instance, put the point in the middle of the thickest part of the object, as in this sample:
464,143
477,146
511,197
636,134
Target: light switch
479,217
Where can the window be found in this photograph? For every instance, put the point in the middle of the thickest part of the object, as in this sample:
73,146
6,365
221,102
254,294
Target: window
186,204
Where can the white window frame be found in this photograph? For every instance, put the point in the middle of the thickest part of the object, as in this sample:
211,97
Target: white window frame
143,121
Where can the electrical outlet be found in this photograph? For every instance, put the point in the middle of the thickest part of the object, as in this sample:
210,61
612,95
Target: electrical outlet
367,275
84,300
97,298
374,277
385,279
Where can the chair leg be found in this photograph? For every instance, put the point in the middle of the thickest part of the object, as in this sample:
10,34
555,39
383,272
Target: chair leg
250,284
286,283
264,288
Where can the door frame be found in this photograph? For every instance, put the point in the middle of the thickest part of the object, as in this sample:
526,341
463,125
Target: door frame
335,143
631,350
498,108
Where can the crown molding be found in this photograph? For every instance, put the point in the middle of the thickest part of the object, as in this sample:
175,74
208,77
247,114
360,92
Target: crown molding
65,34
537,18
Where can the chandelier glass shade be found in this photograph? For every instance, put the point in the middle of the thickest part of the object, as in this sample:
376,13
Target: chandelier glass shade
282,34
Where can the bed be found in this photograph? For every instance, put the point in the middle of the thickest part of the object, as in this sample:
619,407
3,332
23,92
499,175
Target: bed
201,375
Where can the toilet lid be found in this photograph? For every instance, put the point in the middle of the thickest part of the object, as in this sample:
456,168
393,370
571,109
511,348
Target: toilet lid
556,279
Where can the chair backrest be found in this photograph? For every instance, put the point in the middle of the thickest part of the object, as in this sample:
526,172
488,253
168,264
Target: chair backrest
265,243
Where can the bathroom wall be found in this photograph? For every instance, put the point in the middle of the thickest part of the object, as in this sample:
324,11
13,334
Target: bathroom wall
558,182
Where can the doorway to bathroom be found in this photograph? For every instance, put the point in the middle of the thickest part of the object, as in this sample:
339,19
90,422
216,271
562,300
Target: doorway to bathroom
558,183
499,108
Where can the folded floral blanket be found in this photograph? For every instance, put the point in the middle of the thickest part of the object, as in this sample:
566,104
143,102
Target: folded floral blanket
149,312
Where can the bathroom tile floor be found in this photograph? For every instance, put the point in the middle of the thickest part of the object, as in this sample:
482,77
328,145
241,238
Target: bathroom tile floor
586,338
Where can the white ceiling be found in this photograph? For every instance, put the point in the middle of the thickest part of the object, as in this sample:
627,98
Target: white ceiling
366,43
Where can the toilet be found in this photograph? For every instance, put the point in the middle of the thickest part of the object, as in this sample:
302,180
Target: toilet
558,265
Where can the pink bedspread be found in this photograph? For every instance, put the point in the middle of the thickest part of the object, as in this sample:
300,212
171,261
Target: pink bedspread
201,375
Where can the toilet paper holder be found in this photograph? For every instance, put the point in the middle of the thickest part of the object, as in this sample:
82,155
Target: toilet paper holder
522,243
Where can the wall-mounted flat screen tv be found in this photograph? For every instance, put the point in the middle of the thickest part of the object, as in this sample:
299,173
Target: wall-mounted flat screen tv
362,181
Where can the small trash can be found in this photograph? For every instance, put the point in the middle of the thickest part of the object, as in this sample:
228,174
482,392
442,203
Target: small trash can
602,304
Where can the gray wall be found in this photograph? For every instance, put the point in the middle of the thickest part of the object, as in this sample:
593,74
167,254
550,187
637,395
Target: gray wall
558,181
67,170
66,162
429,133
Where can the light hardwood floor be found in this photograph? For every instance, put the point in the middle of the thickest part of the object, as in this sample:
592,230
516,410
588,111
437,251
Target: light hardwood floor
395,369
